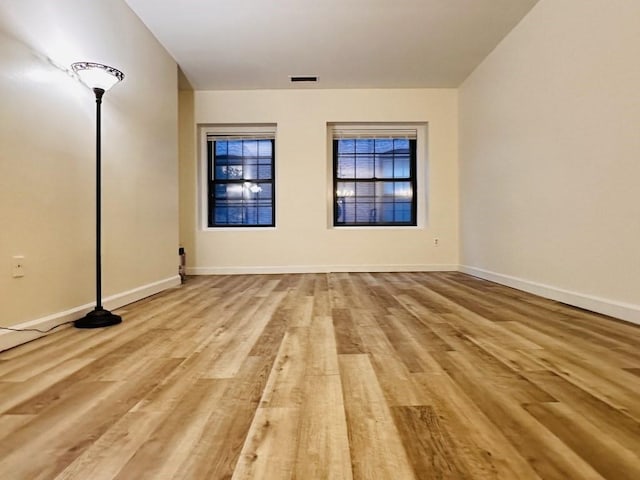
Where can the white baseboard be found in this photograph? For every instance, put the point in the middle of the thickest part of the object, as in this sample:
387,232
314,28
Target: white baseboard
625,311
10,339
318,269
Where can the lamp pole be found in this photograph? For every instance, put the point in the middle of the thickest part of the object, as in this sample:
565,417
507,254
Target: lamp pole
99,78
99,92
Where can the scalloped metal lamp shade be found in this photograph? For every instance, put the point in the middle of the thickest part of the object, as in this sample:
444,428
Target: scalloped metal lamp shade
97,75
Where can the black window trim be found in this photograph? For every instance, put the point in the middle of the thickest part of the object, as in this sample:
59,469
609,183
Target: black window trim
210,138
412,179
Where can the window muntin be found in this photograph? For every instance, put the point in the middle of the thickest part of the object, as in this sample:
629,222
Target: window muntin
241,188
374,181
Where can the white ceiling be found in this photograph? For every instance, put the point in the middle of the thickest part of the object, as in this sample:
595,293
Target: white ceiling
255,44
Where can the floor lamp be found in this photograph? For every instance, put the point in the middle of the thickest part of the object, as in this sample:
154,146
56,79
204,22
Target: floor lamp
98,78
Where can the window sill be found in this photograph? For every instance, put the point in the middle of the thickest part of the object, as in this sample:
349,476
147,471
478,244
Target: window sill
379,227
237,229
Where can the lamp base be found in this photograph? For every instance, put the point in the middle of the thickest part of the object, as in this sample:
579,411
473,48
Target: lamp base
98,318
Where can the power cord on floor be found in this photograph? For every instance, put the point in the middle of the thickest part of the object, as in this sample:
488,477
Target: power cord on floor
35,329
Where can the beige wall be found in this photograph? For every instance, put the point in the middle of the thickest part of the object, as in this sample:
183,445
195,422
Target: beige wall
187,145
47,164
303,239
550,156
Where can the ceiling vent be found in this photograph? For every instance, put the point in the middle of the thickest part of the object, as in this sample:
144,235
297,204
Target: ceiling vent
303,78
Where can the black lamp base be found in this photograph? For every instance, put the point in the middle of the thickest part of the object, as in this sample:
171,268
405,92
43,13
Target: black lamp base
98,318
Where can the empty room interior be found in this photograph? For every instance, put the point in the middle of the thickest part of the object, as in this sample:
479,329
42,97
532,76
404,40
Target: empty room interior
310,240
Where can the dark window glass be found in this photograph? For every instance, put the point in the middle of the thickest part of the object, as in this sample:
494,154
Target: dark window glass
241,186
374,181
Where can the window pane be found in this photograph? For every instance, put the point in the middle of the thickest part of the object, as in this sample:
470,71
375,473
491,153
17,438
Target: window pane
349,211
346,146
250,190
401,167
401,145
234,191
384,166
403,190
234,172
221,148
234,148
386,212
365,145
240,195
221,214
264,172
345,189
250,171
346,166
366,212
365,189
221,191
384,145
250,148
220,172
364,167
265,216
385,189
235,215
250,215
266,191
402,211
265,149
381,192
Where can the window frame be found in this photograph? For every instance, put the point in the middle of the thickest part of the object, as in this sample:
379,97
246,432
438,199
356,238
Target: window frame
419,180
208,135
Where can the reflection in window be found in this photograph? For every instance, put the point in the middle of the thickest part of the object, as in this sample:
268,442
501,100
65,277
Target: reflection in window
375,181
241,188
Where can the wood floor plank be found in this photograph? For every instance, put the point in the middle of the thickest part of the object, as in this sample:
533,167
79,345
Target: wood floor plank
546,453
614,386
412,349
238,342
322,358
270,449
617,424
602,452
428,444
106,457
480,446
285,387
323,442
424,330
402,376
176,435
634,371
396,382
28,452
26,349
217,451
377,451
50,357
10,423
490,372
40,390
272,334
302,312
347,339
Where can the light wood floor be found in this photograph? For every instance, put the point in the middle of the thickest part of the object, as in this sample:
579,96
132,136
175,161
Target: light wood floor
339,376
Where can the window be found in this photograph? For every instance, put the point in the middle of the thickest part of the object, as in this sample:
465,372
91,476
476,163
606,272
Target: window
374,177
241,189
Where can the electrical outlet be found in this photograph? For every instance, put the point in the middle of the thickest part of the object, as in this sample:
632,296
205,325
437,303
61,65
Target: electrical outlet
436,241
18,266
